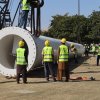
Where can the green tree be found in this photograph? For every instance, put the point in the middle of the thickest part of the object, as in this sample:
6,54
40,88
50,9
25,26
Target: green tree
76,28
94,27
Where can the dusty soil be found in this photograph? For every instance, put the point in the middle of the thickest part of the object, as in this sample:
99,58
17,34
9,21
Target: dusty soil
38,89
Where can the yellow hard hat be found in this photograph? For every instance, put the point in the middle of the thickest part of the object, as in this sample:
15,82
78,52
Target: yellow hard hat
21,43
63,40
47,42
72,45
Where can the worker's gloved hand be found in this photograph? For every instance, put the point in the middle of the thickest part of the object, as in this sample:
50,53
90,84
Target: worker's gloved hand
12,54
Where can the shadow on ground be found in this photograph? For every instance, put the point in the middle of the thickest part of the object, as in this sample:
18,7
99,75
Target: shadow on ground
7,82
39,72
81,60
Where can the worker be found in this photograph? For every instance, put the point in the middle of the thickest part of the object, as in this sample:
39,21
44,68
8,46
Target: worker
24,15
86,47
93,49
98,54
21,61
48,58
63,54
74,52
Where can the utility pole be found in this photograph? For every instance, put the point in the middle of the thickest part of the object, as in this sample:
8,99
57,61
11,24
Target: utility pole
78,7
78,24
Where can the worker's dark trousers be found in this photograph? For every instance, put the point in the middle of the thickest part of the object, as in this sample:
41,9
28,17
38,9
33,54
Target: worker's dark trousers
75,58
98,57
48,69
21,70
23,19
63,69
86,53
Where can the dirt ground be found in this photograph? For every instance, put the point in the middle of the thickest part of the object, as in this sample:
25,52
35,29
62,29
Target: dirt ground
38,89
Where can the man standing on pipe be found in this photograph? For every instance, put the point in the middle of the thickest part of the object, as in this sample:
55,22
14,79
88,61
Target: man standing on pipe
25,9
48,58
63,54
21,61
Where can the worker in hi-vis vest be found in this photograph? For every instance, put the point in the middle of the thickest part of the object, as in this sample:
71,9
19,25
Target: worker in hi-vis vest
48,58
98,54
21,61
24,15
74,52
63,54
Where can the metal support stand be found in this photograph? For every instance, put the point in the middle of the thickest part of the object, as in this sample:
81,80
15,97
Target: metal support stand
35,17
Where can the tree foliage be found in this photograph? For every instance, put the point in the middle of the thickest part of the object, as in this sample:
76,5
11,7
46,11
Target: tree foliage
76,28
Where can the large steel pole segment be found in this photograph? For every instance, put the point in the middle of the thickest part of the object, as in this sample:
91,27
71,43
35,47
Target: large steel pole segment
9,38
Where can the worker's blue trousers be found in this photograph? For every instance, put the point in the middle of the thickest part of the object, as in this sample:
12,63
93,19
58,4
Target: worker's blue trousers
48,68
98,57
23,19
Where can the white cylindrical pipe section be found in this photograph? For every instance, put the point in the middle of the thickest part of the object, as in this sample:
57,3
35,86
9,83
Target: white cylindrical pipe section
9,38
